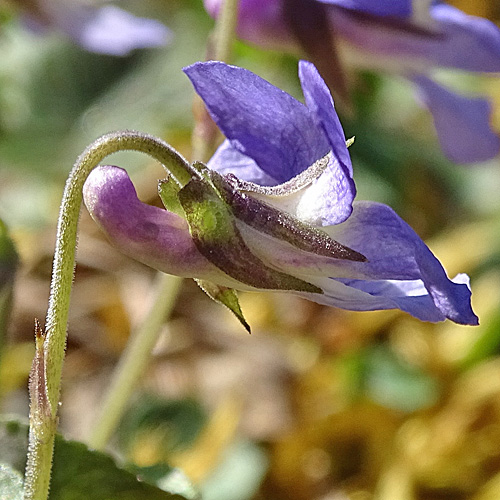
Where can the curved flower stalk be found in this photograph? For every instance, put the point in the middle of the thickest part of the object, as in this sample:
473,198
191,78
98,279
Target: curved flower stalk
274,210
105,30
401,37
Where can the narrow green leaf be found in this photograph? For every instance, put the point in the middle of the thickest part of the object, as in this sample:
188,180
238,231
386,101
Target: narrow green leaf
225,296
213,229
168,190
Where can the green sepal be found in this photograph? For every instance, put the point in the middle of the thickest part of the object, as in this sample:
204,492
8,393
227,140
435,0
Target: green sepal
281,225
225,296
214,232
168,191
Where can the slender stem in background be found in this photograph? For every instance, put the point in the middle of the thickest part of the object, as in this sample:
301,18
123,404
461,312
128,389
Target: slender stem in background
42,423
225,30
205,131
134,360
137,353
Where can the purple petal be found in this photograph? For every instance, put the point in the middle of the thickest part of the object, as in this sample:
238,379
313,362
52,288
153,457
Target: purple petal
408,296
452,39
395,252
228,160
470,43
335,188
462,123
151,235
260,120
400,272
113,31
397,8
320,103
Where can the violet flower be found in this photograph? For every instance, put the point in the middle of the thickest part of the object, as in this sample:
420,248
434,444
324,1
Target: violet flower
402,37
105,30
274,209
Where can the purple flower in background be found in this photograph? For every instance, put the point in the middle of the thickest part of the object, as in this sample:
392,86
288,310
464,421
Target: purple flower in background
399,36
105,30
274,210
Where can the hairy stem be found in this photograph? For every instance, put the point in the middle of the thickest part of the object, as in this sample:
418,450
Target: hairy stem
40,450
134,361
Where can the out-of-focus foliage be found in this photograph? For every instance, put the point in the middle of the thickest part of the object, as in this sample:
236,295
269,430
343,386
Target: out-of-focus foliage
79,472
317,403
8,265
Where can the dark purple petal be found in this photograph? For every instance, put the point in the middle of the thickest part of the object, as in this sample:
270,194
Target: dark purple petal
462,123
396,8
151,235
260,120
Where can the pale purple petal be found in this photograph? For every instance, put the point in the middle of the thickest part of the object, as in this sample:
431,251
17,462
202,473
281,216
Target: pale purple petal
151,235
228,160
260,120
462,123
113,31
281,135
320,103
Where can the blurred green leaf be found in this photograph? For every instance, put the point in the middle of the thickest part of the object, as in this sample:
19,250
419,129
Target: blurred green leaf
11,483
175,424
8,265
395,384
78,473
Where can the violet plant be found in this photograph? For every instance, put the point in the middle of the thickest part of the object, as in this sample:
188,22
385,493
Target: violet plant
272,210
403,38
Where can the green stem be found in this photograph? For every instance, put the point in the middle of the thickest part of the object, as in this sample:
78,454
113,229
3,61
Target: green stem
205,131
225,31
134,361
136,355
40,450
